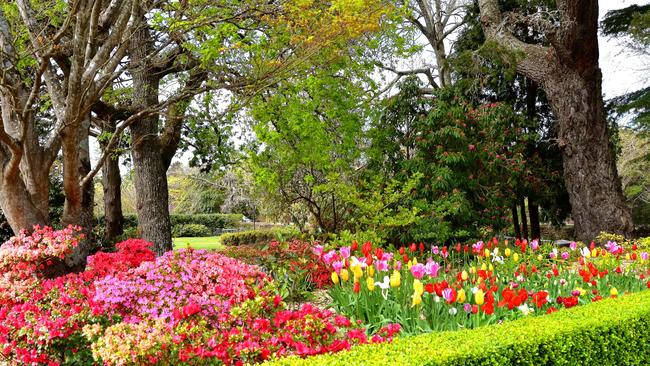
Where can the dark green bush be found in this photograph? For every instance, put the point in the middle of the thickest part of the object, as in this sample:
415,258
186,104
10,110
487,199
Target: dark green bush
190,230
258,237
608,332
213,222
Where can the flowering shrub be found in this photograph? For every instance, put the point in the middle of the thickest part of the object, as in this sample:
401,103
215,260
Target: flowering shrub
130,254
25,257
293,265
187,306
252,332
210,281
424,288
44,325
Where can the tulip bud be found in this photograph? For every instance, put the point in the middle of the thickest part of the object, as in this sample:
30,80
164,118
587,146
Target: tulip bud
370,282
464,276
479,297
515,257
613,291
345,274
335,278
461,297
507,252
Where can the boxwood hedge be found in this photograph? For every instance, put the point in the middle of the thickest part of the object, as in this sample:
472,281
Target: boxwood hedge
608,332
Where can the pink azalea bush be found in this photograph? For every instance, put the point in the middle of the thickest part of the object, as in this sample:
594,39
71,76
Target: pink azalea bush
128,307
25,257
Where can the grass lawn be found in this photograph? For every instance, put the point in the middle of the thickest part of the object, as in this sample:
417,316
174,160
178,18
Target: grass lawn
208,242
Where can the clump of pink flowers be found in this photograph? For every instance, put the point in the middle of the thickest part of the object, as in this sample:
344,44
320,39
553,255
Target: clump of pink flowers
25,257
128,307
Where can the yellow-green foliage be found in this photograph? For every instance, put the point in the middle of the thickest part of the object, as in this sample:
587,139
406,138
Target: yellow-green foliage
604,237
644,243
608,332
259,237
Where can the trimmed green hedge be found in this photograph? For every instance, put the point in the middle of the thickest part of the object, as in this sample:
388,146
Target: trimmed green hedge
190,231
258,237
608,332
211,221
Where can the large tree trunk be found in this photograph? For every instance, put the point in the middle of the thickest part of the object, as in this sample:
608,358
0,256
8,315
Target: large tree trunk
568,72
589,165
112,185
78,208
515,220
16,203
524,219
533,214
150,173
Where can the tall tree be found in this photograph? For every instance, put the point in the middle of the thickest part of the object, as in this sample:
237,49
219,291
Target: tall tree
567,69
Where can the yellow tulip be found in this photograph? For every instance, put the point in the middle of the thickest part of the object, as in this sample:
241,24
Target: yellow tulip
460,296
627,256
417,300
487,253
491,267
594,253
418,287
370,270
515,257
409,264
472,270
507,252
395,279
539,257
371,284
335,278
484,267
345,275
358,273
415,260
464,276
613,291
479,297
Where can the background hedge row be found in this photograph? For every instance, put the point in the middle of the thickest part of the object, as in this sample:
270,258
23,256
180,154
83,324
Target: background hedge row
259,237
608,332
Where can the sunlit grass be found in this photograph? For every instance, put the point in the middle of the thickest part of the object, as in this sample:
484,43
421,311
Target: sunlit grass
208,242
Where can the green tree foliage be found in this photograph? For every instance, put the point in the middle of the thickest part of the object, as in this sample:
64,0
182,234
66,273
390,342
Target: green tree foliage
632,26
469,157
633,166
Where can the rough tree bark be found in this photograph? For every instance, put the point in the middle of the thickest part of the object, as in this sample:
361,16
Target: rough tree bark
533,214
152,197
112,186
515,220
568,72
524,218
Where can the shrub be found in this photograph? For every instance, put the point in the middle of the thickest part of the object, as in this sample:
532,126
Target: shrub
258,237
211,221
190,231
609,332
45,325
296,270
24,258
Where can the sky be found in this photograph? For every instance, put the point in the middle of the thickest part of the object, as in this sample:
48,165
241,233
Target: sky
622,72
